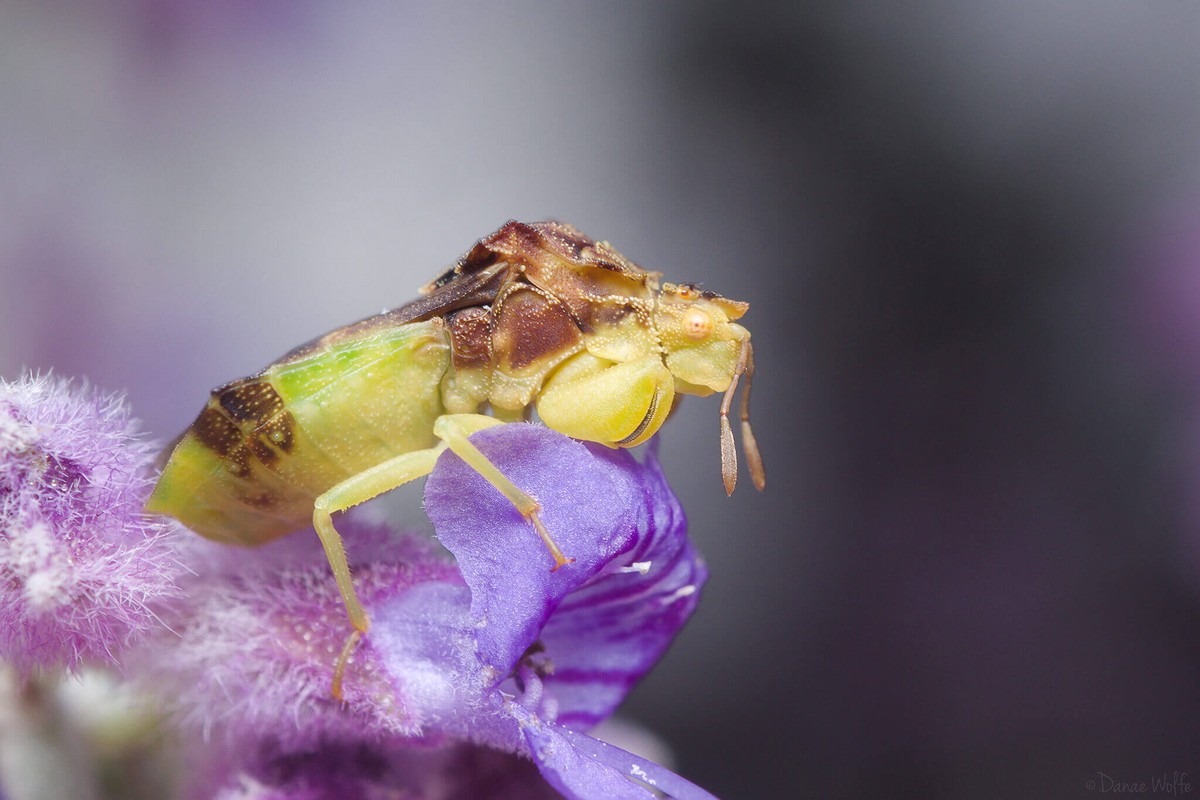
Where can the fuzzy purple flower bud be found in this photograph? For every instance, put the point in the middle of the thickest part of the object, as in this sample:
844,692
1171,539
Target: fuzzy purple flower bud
82,570
493,649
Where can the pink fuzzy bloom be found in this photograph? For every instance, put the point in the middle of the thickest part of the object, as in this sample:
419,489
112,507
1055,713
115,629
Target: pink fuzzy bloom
82,569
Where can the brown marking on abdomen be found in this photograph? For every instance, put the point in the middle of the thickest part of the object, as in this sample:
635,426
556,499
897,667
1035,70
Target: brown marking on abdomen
217,432
261,414
250,400
245,422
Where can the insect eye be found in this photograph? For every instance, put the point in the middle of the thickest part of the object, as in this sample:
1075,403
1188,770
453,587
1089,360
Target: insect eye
697,324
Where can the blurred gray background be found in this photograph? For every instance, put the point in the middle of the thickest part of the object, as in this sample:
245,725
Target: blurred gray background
966,234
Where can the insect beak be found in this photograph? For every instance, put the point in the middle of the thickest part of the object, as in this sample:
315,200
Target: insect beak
745,366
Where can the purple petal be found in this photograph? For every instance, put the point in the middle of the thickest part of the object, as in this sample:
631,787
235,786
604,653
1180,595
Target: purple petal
588,505
583,768
425,639
449,655
609,633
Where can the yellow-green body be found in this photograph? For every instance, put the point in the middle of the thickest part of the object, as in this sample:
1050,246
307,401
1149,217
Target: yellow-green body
348,407
534,316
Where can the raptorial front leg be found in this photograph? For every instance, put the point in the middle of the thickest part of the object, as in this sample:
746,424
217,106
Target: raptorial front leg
355,490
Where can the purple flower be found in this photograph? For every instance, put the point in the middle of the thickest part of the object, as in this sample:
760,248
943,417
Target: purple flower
496,651
82,571
381,771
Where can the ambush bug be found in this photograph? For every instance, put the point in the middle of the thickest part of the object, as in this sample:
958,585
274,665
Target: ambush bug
534,316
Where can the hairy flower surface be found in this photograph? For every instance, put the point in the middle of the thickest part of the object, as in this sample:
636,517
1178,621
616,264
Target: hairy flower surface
493,649
81,568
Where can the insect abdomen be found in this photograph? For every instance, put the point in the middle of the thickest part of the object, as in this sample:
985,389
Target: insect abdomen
250,466
363,402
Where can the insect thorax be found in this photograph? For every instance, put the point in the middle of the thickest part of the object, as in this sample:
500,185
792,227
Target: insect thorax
502,354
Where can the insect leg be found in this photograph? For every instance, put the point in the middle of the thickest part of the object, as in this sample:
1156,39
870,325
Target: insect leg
454,429
347,494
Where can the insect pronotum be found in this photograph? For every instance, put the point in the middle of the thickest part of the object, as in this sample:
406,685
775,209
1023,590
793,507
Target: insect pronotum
535,316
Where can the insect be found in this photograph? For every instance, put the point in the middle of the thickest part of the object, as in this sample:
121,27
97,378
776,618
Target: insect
534,316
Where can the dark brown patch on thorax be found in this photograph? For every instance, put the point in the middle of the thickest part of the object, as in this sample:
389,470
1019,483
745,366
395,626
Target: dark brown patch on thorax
471,337
532,325
612,310
580,272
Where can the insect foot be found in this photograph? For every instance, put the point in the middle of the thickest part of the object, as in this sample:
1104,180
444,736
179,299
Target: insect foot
560,560
454,430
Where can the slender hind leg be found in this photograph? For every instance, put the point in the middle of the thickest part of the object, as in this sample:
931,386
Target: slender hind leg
347,494
453,429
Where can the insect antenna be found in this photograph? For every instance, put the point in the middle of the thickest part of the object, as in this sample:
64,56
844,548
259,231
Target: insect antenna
745,366
728,450
749,444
